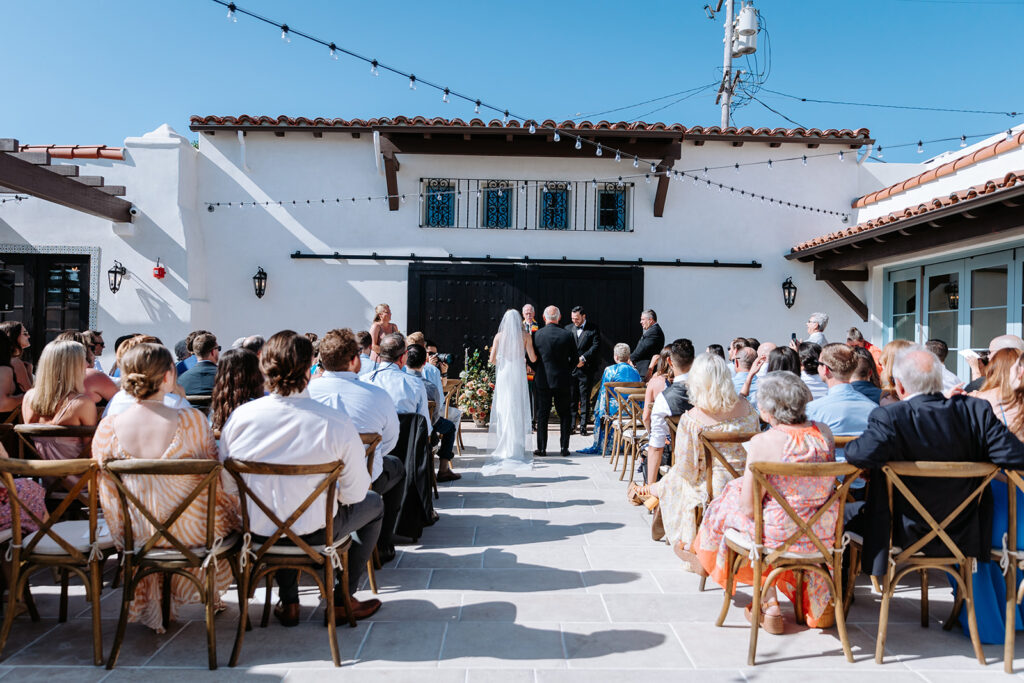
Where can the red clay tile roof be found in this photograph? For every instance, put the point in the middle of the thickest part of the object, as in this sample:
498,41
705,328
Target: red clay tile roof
946,169
78,151
625,126
996,185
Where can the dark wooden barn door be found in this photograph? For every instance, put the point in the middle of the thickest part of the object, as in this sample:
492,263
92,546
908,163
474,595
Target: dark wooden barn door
460,306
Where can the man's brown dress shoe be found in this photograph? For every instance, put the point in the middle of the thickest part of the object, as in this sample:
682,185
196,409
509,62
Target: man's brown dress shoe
360,610
288,615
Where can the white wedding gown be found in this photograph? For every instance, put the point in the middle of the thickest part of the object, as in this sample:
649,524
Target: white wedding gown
510,406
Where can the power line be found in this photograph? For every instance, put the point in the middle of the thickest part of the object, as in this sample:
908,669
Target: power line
892,106
640,104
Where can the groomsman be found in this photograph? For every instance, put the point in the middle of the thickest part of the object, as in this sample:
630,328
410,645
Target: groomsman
587,342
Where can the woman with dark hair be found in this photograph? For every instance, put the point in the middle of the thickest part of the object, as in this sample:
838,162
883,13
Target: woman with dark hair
785,359
118,343
717,350
865,378
18,335
238,381
10,396
808,353
661,377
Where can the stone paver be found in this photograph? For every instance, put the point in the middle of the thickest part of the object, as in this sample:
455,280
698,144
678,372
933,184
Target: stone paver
549,576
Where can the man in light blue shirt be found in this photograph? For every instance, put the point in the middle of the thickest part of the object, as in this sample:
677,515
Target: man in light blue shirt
407,392
365,342
743,362
844,409
372,412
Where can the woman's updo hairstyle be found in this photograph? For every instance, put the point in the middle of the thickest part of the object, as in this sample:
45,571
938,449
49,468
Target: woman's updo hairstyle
143,368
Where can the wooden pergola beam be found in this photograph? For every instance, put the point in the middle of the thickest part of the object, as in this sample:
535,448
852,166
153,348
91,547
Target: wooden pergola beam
661,194
28,178
391,167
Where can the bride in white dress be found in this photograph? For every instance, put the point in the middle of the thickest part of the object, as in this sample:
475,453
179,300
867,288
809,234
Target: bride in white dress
510,405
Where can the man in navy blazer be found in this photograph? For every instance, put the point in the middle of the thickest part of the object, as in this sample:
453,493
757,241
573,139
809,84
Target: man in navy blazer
198,380
925,425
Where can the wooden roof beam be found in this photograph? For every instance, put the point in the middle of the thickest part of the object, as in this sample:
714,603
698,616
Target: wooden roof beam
661,194
391,167
28,178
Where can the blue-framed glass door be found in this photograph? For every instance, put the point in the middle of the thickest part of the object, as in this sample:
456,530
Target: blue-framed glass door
902,304
986,297
943,309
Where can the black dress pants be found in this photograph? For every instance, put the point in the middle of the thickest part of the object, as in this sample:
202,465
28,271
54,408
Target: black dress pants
580,398
560,396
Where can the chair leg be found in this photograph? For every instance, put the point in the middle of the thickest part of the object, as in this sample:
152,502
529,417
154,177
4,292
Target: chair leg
329,609
12,606
346,577
755,611
851,578
371,575
730,563
266,601
376,558
954,616
1011,617
30,603
798,601
96,585
127,594
883,617
703,583
211,605
62,614
924,598
165,600
243,613
972,620
433,479
458,439
837,602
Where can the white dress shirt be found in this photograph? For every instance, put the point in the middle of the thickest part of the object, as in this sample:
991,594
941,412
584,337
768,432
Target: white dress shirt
433,375
122,401
659,428
949,380
295,430
407,391
369,407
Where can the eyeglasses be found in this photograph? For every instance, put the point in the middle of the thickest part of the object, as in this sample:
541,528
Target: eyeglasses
828,368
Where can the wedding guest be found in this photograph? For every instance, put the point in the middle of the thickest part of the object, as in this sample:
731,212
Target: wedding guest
407,392
98,386
783,359
198,380
716,349
941,351
661,377
792,438
372,412
254,343
888,357
118,343
433,359
530,318
744,379
716,408
238,381
94,344
763,351
381,327
430,372
651,341
621,371
809,353
31,495
855,338
289,428
10,396
865,378
181,352
365,342
314,339
190,359
1003,341
59,398
816,324
122,400
416,358
150,430
20,361
843,409
673,401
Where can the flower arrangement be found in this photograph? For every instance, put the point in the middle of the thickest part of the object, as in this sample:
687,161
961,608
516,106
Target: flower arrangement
477,387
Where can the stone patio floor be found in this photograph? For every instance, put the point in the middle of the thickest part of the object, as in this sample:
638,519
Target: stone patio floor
538,578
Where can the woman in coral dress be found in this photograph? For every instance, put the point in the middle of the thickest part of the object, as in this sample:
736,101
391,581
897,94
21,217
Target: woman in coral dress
152,430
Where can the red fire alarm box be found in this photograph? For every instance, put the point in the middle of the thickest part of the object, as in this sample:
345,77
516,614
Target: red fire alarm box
159,271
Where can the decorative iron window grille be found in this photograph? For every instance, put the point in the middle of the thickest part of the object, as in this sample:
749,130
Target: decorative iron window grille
496,204
579,205
439,203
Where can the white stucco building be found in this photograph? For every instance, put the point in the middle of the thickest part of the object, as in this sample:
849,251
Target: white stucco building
540,229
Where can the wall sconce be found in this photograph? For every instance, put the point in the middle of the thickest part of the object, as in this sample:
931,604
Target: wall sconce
114,276
259,283
789,292
159,272
953,296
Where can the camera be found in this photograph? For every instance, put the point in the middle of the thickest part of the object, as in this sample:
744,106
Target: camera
445,358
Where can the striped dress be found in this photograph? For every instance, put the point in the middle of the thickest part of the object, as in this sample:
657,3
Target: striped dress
193,438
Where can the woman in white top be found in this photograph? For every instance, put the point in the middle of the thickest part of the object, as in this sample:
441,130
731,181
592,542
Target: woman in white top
809,352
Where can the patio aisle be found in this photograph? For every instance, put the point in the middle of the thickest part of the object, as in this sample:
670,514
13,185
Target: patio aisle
546,577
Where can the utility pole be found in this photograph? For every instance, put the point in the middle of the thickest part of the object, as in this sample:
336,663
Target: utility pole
740,39
725,89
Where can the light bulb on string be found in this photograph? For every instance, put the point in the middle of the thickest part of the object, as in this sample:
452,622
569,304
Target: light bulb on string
879,155
1009,133
593,183
636,161
619,184
522,189
648,177
963,141
403,199
654,167
504,119
920,147
412,82
579,143
231,13
499,192
737,167
618,156
373,68
421,199
533,128
841,155
705,171
695,180
476,108
769,164
557,138
545,187
444,97
805,159
334,55
600,151
284,33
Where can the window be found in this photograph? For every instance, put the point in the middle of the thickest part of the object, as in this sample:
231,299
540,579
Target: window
904,309
611,207
439,203
553,210
496,204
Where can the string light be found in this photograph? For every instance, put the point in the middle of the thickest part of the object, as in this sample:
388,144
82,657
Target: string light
879,154
557,138
533,128
15,198
334,55
1009,133
231,13
618,156
284,33
841,155
769,164
476,108
920,147
412,82
963,141
444,98
805,159
654,167
737,167
593,183
579,142
600,150
373,68
504,120
648,178
636,161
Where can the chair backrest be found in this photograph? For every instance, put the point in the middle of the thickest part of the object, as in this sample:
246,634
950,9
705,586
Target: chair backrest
672,422
28,432
895,474
330,471
842,473
199,400
83,469
370,440
431,405
1014,481
612,395
208,473
844,441
451,390
709,441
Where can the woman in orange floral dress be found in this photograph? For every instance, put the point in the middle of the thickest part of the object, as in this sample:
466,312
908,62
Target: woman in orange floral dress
152,430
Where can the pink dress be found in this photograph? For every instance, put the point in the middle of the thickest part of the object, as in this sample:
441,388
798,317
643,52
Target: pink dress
805,494
61,447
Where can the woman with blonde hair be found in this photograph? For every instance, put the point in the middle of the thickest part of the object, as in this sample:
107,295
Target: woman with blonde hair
59,398
151,430
716,408
381,326
98,385
888,359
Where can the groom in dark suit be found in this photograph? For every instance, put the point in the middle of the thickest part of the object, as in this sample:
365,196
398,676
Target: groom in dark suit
556,355
587,341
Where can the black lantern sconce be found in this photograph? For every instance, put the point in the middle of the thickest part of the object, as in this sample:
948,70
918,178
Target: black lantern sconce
259,283
115,275
953,296
789,292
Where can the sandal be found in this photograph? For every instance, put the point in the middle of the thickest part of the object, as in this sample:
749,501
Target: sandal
636,495
772,623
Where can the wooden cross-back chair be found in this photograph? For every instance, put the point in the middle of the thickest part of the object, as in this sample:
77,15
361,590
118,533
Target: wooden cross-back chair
451,391
672,422
433,473
632,434
370,443
608,420
159,551
27,433
285,549
200,402
904,561
621,419
826,561
1011,560
67,546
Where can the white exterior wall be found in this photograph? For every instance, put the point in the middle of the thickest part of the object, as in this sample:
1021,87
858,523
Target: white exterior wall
211,256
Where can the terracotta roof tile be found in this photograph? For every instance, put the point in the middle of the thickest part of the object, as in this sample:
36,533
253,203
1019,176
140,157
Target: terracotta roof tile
966,195
986,152
569,125
78,151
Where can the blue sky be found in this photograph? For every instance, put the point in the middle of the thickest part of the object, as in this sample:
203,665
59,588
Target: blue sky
97,72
